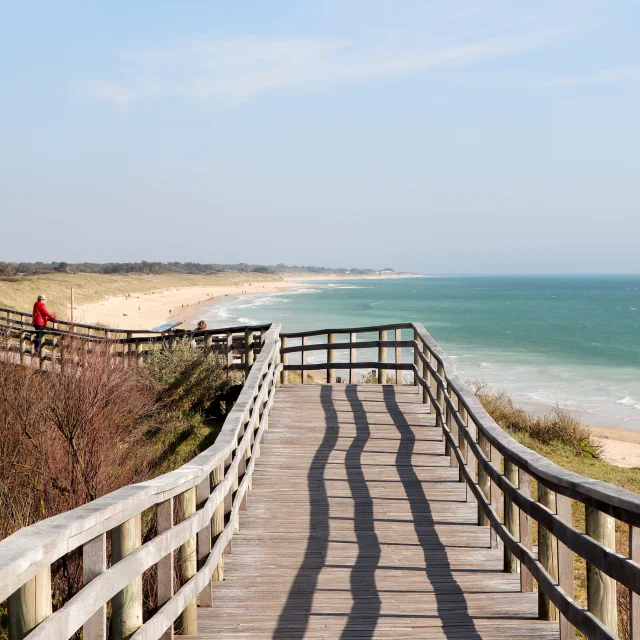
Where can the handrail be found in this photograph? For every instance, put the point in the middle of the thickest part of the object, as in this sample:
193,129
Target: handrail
31,550
472,437
496,469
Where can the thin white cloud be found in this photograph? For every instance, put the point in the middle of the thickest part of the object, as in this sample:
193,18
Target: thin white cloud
434,34
240,68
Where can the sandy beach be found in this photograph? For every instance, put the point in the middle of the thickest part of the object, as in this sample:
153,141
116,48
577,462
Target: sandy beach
148,309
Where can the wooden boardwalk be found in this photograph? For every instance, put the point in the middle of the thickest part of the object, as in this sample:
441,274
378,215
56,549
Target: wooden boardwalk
357,527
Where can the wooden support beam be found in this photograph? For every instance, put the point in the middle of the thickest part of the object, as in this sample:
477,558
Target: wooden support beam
30,605
248,351
165,566
217,524
601,588
94,562
284,375
126,605
203,491
484,482
526,532
398,358
511,519
303,359
547,554
497,499
565,566
352,358
187,621
331,356
382,357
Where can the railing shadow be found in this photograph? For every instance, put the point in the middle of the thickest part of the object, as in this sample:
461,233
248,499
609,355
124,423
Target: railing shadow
294,617
365,610
450,600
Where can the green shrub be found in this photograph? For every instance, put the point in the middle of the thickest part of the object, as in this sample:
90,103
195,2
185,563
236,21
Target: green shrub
188,378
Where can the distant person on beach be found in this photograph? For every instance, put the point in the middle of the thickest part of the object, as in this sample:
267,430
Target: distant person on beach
201,326
39,319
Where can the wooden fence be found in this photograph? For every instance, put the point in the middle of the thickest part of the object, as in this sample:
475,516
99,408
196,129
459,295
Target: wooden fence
498,472
211,490
60,341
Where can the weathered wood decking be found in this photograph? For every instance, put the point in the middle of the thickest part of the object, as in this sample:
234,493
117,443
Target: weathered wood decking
357,527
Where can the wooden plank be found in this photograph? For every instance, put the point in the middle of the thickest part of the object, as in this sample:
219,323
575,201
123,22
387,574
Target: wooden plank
374,537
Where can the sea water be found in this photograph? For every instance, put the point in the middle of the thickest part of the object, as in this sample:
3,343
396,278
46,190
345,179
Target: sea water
567,340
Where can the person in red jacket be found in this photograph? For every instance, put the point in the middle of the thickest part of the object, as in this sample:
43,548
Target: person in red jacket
39,319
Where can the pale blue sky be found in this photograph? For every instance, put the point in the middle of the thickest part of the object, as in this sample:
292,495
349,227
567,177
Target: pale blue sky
437,136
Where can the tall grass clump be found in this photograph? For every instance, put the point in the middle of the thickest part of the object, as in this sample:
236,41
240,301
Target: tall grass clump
558,426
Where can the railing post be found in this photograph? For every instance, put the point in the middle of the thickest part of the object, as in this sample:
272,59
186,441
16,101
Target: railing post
547,553
284,375
126,605
94,562
634,598
248,351
565,566
601,588
187,621
484,482
416,362
30,605
229,352
331,355
511,520
23,356
382,357
497,499
217,524
164,587
276,375
203,491
352,358
462,441
526,533
398,337
303,359
452,426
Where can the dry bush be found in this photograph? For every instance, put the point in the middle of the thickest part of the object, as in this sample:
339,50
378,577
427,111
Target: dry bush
69,435
557,426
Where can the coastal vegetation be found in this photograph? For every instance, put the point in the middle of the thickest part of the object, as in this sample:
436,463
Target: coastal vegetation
567,442
68,439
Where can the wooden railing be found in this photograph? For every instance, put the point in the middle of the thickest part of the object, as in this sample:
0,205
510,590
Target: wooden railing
499,473
211,490
58,341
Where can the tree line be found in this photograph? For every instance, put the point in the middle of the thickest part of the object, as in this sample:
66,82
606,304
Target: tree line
10,269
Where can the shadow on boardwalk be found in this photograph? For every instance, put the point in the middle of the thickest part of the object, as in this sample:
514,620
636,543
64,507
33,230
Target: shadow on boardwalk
366,602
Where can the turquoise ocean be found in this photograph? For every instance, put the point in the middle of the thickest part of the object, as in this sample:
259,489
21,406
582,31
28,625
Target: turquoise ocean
546,340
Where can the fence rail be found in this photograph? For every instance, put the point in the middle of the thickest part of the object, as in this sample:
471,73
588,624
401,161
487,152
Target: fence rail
212,489
499,474
59,343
